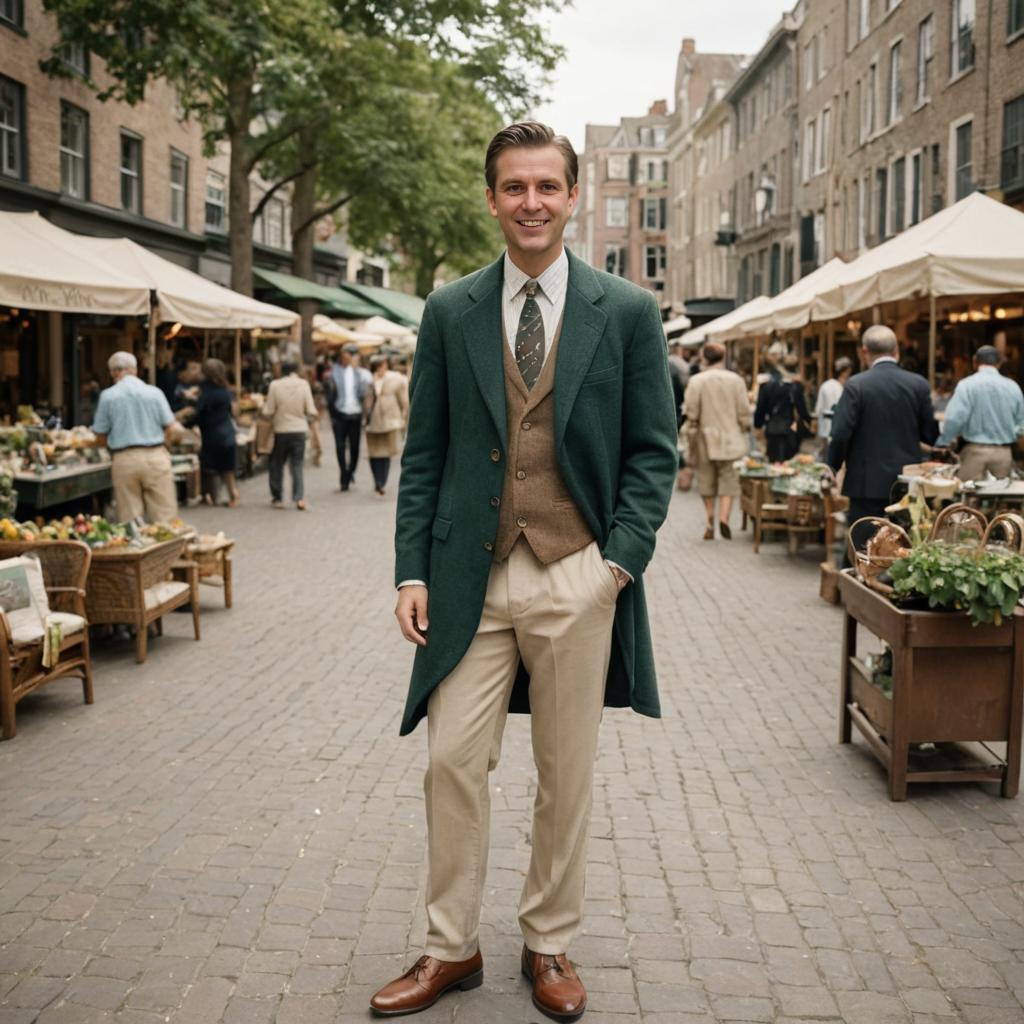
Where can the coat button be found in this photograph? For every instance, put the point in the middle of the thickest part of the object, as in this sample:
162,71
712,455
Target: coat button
527,424
495,455
495,502
488,546
521,522
521,474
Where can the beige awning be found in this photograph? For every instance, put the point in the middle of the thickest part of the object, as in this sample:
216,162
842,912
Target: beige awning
792,309
722,327
385,328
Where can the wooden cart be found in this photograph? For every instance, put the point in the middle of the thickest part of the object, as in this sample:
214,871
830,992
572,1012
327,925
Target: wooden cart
952,683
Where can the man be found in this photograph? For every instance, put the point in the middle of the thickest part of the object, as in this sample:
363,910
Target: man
718,419
348,386
883,418
134,420
987,412
828,398
290,406
538,466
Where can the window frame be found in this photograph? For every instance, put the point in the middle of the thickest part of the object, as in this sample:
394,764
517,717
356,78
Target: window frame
957,67
898,195
1014,9
18,21
609,222
923,90
864,22
126,135
67,109
894,84
870,111
82,70
915,186
956,169
222,227
1016,184
21,132
173,189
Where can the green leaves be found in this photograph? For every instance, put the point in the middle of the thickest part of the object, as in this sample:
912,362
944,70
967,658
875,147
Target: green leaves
987,586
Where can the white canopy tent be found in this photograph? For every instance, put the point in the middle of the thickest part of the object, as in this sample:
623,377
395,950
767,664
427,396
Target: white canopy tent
677,323
721,326
792,309
329,332
42,267
183,296
385,328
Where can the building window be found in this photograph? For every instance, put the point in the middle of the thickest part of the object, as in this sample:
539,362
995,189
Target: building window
616,213
615,260
937,198
961,49
618,168
861,213
964,183
891,5
916,169
899,195
12,128
131,173
273,224
179,189
870,101
76,57
895,82
810,64
74,151
653,214
654,262
865,18
1015,17
12,12
216,193
810,146
925,56
821,159
881,200
775,270
1012,177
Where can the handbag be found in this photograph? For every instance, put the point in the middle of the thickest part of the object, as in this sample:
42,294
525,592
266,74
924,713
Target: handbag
264,436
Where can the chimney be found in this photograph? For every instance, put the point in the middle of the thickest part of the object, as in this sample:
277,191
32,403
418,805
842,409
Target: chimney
689,47
659,108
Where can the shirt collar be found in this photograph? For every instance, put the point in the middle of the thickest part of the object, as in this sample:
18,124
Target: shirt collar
883,359
552,282
992,369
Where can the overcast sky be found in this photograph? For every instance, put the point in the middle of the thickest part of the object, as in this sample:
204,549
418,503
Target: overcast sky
621,54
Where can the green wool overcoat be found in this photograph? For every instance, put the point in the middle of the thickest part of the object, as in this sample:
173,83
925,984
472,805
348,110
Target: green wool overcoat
615,438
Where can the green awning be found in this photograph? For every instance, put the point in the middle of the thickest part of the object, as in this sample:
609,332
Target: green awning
398,306
333,301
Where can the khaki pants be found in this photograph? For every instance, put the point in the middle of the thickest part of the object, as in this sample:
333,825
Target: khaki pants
976,459
144,485
558,618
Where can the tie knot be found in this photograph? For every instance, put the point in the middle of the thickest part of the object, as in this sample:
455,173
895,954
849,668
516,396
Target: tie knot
530,288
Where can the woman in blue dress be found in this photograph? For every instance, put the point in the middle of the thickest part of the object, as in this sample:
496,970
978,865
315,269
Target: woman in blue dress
214,416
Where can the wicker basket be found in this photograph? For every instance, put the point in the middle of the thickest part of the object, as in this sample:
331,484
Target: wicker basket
886,545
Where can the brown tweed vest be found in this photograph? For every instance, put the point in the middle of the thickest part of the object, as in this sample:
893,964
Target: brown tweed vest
535,503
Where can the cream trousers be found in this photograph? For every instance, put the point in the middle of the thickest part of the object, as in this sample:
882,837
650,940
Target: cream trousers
558,619
144,484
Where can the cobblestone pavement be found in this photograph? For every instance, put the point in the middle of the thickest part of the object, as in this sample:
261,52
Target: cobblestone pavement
234,831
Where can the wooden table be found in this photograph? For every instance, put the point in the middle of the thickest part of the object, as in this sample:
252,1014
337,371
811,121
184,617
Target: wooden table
212,555
952,683
57,486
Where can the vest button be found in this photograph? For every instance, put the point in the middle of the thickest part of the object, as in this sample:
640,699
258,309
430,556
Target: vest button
521,474
495,455
521,522
526,424
488,546
495,502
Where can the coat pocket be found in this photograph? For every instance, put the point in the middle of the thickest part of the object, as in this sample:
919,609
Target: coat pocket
600,376
441,528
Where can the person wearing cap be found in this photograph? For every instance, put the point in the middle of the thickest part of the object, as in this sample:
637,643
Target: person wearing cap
828,398
987,413
347,390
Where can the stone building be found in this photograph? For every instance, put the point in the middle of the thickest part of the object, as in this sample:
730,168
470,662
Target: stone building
623,224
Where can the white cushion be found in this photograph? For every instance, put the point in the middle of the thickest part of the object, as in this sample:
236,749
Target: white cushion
161,593
32,634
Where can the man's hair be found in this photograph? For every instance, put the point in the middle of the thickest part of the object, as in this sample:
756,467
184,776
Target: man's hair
988,355
122,361
531,134
843,363
791,362
289,366
712,352
879,340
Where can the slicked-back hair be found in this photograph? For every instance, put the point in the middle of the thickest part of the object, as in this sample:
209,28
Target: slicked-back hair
879,340
122,361
988,355
712,352
531,134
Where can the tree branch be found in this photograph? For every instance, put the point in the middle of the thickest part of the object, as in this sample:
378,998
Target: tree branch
267,143
323,212
269,194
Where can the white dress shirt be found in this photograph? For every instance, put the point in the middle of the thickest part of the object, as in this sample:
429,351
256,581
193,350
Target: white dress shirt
550,298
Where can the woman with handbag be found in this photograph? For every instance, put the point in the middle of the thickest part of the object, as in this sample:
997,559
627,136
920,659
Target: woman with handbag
388,411
717,421
782,412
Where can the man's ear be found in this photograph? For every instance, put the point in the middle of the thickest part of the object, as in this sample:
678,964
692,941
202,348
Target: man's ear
491,204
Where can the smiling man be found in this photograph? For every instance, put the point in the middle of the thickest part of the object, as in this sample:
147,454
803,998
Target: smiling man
539,465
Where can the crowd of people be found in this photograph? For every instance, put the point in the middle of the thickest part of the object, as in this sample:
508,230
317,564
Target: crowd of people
869,424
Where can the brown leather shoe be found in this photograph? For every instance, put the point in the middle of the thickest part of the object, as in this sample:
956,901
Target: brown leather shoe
557,989
425,982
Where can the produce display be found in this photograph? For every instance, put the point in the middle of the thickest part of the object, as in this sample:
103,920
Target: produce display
800,475
95,531
30,447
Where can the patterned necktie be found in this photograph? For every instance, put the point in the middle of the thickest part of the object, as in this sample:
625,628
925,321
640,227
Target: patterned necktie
530,338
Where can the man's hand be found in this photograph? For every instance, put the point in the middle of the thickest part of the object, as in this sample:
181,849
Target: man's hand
411,612
621,576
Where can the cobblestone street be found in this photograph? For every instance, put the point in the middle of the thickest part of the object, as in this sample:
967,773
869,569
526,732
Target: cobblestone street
234,831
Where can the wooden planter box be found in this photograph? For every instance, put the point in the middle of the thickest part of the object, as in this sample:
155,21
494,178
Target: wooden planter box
953,683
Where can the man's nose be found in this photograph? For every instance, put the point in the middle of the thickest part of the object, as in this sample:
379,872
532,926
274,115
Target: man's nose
531,199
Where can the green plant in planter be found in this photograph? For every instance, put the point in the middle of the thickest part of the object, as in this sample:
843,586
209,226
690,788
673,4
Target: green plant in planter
987,584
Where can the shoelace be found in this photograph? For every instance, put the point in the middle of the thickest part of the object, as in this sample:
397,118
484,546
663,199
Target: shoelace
550,963
417,968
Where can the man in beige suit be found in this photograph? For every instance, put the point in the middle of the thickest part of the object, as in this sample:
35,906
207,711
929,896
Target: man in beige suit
717,420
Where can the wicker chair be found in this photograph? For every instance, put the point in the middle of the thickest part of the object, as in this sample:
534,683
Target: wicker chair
133,587
65,566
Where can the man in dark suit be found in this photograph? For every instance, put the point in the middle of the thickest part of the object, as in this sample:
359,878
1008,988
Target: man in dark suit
880,424
539,464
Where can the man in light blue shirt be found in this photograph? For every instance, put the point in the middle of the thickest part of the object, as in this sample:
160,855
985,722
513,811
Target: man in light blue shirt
987,413
134,420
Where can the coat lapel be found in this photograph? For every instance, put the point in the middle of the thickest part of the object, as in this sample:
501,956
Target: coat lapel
582,327
481,331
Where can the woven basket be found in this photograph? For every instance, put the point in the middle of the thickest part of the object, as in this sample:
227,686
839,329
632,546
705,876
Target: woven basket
886,545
